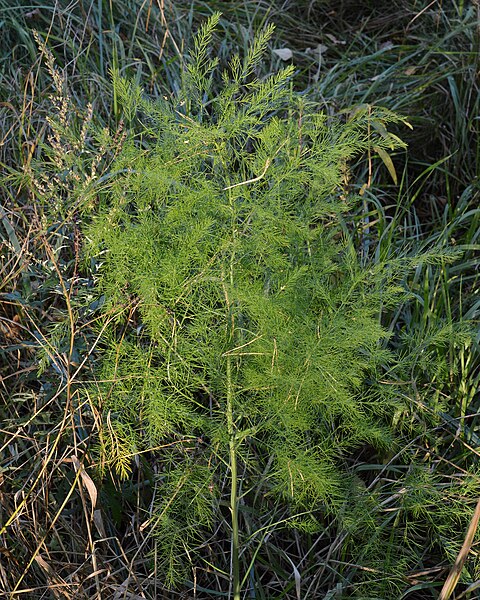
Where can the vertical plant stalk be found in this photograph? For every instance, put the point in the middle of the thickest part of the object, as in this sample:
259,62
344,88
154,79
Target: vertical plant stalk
234,483
455,572
235,565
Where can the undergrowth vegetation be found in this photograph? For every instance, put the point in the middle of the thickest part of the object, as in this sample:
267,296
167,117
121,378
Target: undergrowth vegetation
239,320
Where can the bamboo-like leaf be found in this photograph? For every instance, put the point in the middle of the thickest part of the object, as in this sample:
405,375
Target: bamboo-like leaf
10,231
87,482
387,161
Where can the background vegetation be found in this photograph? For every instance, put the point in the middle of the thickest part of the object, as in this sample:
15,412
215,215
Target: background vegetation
71,529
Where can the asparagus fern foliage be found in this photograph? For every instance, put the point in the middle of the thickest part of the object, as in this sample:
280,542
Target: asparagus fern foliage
256,353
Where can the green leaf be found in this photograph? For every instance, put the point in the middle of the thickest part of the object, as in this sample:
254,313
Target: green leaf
387,161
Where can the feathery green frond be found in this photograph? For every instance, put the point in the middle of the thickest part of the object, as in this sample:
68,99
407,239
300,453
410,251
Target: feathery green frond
258,329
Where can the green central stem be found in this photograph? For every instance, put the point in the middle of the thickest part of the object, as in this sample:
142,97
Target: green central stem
234,484
235,565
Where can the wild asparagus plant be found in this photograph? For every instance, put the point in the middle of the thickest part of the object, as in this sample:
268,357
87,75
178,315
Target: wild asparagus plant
257,352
